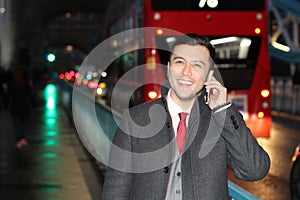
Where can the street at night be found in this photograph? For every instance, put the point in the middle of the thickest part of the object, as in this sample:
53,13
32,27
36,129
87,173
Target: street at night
284,138
69,70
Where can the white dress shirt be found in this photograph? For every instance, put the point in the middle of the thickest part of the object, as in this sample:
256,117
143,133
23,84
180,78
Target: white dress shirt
174,111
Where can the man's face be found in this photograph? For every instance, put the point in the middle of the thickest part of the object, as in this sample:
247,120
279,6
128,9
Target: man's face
187,71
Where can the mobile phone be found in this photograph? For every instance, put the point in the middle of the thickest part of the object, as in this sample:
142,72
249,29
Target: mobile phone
210,74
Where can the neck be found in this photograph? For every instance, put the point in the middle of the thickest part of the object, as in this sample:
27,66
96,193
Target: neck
184,104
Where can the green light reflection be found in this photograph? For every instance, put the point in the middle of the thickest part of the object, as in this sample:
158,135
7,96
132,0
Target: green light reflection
51,133
50,143
49,172
50,155
50,103
51,113
50,95
50,121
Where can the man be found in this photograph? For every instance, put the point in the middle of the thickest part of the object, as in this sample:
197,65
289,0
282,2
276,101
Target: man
213,137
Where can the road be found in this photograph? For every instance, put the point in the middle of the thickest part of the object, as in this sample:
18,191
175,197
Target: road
285,135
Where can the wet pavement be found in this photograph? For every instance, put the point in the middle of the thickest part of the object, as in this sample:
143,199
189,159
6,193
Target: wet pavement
53,166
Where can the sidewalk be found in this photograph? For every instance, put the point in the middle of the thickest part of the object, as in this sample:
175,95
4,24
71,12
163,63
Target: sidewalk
49,167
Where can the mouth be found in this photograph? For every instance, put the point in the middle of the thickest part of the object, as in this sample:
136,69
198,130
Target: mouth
185,83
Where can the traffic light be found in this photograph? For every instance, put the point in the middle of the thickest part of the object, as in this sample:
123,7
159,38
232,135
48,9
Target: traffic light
50,57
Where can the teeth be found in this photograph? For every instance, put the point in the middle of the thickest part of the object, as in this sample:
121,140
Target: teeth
184,82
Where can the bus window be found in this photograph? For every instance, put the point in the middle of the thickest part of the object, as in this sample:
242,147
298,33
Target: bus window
236,59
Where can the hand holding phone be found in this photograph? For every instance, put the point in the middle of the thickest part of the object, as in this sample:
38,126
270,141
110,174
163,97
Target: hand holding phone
208,78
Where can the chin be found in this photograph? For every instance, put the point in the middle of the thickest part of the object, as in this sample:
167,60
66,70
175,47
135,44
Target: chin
187,97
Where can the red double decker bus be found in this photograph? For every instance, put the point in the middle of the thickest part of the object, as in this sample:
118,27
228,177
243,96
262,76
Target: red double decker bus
237,29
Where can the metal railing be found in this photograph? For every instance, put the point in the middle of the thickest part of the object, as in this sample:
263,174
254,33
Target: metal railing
238,193
285,95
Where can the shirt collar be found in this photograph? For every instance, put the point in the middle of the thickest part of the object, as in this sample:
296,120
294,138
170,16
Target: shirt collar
173,107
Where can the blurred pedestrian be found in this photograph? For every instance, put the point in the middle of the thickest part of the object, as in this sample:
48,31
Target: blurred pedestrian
21,99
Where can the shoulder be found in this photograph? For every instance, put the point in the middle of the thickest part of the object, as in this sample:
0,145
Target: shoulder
145,111
146,106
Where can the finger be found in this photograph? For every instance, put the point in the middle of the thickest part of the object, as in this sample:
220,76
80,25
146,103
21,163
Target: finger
215,85
212,81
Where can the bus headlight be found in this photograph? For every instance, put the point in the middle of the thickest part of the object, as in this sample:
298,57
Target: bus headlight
152,94
265,93
260,114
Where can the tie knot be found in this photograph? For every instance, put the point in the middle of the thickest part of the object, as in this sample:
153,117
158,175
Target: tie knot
182,116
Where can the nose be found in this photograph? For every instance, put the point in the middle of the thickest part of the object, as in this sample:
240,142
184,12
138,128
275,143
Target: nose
187,69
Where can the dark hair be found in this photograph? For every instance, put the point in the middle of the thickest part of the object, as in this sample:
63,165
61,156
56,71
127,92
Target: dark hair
195,39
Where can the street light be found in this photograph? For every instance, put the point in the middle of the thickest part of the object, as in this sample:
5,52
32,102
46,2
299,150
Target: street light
50,57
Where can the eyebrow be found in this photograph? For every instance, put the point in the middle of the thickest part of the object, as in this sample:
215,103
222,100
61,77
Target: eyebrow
192,61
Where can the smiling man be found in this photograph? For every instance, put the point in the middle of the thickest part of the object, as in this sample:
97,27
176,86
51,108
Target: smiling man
201,136
188,73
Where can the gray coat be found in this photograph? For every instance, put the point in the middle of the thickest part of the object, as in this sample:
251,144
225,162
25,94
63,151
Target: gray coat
215,141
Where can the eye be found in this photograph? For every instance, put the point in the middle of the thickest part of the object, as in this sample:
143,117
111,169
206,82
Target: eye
197,65
179,62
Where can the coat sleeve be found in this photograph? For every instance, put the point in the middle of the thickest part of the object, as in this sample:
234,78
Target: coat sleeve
118,179
248,160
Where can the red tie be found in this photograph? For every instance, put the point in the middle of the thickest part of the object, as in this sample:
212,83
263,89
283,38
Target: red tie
181,131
